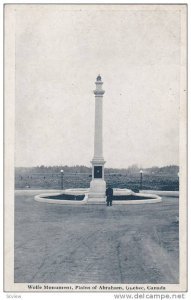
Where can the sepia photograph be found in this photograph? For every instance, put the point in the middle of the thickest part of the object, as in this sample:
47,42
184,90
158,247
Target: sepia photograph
95,147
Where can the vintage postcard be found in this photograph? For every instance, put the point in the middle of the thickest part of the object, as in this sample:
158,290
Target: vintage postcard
95,99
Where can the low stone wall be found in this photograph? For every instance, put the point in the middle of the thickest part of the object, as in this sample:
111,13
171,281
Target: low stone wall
162,193
151,198
82,191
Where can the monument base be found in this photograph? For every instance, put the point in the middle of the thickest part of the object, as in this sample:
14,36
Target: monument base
97,189
96,200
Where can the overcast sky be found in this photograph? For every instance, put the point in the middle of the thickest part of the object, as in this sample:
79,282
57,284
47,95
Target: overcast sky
60,50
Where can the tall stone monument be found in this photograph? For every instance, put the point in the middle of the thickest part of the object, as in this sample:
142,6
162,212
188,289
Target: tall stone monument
98,185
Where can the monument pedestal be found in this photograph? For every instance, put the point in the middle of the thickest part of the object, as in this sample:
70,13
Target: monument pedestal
97,188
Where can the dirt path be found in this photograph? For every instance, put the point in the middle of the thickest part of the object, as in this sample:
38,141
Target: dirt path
94,243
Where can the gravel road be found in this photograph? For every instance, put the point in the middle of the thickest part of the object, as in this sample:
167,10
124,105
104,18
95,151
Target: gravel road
95,243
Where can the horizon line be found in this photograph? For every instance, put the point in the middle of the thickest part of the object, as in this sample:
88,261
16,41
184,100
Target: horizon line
72,166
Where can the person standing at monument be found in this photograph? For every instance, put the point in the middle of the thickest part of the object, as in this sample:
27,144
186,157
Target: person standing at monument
109,195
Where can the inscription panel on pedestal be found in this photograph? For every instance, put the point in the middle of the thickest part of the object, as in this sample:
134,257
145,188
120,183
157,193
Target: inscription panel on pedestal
97,172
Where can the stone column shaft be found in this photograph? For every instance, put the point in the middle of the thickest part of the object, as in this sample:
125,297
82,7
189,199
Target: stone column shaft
98,140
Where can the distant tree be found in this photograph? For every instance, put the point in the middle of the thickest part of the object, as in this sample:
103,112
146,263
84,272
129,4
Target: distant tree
133,169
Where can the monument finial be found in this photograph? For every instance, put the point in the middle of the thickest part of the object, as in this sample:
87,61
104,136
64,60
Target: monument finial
99,78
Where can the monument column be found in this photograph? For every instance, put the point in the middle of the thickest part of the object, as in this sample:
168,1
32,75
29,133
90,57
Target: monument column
98,185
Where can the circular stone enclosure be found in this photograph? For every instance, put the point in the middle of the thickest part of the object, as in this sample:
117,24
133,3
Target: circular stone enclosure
80,197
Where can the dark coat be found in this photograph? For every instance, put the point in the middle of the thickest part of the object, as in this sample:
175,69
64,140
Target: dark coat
109,194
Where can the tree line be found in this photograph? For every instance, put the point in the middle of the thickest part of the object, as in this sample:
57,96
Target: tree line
133,169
